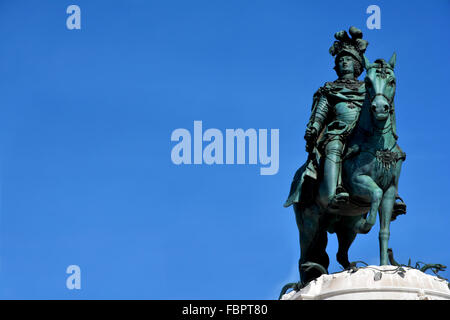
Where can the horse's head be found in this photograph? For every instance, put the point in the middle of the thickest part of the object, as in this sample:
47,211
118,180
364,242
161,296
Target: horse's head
380,86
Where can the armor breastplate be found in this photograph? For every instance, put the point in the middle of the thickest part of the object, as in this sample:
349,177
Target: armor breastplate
346,112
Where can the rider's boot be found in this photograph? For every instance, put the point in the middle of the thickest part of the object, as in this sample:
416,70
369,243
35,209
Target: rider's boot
341,197
331,189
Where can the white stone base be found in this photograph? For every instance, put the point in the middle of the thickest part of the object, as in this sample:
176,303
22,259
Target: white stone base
366,284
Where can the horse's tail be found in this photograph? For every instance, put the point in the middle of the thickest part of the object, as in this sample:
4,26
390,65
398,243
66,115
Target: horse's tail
292,285
296,286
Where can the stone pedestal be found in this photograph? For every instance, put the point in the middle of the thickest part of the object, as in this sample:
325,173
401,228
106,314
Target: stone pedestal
374,283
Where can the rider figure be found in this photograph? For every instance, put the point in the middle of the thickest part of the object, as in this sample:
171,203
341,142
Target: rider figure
335,112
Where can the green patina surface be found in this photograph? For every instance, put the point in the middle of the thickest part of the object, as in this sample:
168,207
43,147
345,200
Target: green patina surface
354,163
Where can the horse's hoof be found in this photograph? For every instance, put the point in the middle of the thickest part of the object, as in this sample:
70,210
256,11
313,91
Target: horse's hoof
362,227
399,208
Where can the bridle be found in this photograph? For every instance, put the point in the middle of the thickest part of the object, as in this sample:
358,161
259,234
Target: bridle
389,100
382,70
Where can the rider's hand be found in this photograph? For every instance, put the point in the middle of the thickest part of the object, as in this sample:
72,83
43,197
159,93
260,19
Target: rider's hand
310,134
310,137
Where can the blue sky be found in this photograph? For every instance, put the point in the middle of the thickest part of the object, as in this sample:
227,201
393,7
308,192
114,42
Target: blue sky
87,115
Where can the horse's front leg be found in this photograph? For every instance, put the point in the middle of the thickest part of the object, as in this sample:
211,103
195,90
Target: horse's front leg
387,204
364,186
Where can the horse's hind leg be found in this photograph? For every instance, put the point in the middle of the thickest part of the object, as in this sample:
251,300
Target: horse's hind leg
320,255
313,240
316,253
308,225
346,235
387,204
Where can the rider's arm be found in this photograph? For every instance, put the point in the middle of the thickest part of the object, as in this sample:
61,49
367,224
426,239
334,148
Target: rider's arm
319,113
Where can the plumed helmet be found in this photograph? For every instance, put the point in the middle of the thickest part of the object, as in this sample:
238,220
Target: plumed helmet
354,46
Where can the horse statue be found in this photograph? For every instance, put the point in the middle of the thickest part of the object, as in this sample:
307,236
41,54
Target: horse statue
370,173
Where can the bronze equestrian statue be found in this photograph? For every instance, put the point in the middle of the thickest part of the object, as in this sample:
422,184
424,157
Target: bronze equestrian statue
354,161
